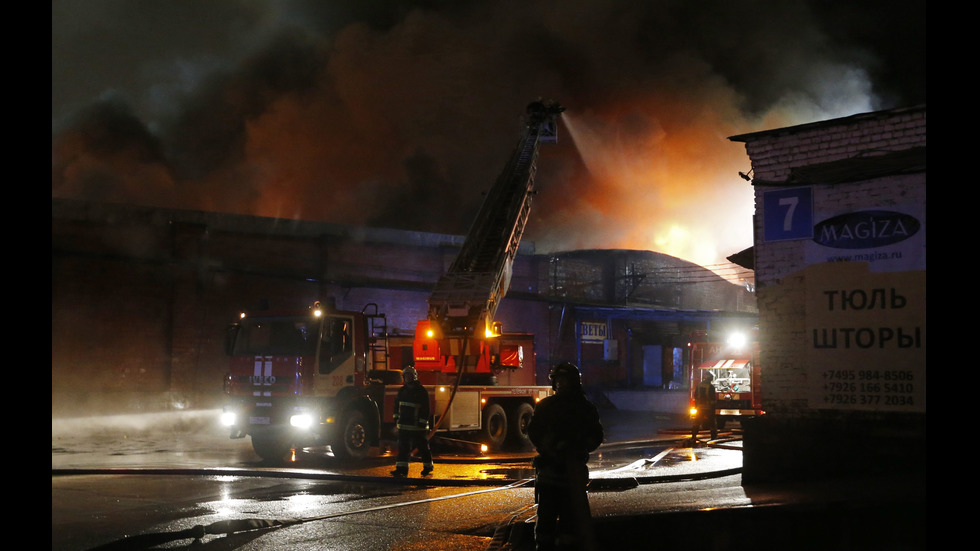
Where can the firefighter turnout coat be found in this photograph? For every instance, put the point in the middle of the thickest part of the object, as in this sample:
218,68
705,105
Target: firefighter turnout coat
564,429
412,407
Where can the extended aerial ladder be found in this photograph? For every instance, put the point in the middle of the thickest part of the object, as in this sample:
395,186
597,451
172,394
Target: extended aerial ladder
300,379
464,301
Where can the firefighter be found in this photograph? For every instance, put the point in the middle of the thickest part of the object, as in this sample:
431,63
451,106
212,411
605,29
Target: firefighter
564,429
704,402
412,421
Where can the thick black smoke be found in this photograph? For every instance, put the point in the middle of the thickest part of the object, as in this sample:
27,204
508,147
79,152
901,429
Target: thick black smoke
400,114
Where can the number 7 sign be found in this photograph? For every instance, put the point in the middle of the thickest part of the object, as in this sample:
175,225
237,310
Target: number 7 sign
787,214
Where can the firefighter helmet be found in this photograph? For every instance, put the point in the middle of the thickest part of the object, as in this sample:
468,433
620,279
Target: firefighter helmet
409,374
569,372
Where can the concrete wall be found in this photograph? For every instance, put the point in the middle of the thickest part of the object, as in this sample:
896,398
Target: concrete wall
141,298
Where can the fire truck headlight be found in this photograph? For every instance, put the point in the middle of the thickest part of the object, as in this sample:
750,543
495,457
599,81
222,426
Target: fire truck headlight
228,418
737,340
301,421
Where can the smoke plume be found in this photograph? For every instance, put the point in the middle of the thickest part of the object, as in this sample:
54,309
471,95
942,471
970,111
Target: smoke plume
400,114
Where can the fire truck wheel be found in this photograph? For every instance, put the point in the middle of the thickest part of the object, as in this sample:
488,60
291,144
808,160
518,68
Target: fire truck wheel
353,442
494,426
272,448
519,419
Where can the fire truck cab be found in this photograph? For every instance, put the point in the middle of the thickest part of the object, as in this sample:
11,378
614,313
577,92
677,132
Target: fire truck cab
305,379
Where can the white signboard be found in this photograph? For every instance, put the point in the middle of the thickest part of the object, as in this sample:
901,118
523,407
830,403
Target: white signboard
865,338
888,239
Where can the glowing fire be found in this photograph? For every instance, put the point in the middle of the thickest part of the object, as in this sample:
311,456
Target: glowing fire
656,188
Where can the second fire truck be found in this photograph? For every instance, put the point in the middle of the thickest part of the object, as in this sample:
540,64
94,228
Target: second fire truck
733,361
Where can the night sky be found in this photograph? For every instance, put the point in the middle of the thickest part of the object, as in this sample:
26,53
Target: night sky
400,114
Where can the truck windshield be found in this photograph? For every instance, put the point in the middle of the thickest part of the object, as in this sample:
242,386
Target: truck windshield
276,337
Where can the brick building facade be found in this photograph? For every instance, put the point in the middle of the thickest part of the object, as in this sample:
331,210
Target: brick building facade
840,281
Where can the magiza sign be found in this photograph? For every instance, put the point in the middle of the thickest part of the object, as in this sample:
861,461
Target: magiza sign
888,240
865,229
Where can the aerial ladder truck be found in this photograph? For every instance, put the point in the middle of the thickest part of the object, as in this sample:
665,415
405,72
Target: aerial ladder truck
322,377
463,304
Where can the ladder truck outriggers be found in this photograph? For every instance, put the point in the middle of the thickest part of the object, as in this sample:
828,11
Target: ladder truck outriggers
321,377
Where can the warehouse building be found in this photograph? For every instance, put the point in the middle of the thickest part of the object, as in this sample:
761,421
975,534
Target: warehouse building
142,298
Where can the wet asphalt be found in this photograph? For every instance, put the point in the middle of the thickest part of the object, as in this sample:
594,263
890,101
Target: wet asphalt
693,498
674,493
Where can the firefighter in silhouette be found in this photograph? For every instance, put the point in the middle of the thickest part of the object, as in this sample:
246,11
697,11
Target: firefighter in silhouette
704,401
412,421
564,429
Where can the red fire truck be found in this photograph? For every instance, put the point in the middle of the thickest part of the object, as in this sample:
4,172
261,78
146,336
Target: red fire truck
321,378
327,377
734,363
494,398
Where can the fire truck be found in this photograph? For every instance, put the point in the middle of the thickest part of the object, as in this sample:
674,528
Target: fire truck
734,363
325,377
489,394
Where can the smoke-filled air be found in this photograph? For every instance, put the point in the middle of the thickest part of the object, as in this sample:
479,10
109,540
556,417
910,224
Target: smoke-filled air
400,114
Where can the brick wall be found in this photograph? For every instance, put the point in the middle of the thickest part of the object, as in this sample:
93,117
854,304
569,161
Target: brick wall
775,153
